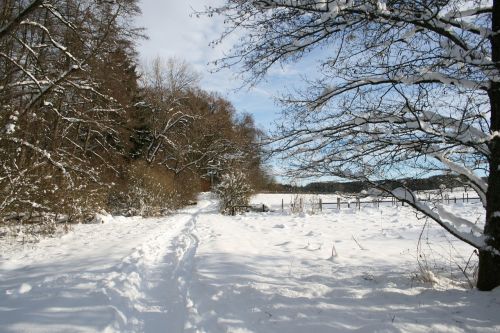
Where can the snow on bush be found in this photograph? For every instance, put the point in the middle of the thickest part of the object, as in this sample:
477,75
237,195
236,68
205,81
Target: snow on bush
297,204
233,192
149,190
32,229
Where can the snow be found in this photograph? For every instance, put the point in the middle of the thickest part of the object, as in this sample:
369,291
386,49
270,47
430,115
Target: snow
10,128
476,181
403,194
456,220
450,221
102,217
344,270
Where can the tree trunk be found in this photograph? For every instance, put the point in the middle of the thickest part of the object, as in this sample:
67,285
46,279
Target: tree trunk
489,258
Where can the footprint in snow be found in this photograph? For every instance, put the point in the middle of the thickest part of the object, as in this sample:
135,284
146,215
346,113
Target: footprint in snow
310,247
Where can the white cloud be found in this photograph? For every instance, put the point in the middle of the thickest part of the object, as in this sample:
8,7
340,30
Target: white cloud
174,31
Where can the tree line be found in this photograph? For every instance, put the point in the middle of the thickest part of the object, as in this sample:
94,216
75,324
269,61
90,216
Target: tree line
436,182
83,129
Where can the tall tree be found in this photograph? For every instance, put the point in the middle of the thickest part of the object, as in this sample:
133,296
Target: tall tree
162,118
186,129
404,85
58,114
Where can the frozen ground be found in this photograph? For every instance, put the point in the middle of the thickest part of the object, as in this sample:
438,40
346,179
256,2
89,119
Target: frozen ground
198,271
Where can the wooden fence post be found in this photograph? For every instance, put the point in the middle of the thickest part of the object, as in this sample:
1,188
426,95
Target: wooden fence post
338,203
320,205
282,204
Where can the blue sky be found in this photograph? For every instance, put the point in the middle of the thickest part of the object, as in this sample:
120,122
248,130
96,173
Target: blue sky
173,32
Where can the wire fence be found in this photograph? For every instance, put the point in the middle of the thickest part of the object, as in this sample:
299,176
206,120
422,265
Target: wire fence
357,203
299,202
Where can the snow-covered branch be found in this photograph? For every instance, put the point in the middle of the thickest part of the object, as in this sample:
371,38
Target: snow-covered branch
9,27
331,92
447,220
477,183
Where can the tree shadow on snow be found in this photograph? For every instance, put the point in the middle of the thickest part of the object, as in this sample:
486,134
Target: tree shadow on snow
55,299
252,294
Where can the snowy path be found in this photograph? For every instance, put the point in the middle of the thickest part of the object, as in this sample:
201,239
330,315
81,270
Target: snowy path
127,275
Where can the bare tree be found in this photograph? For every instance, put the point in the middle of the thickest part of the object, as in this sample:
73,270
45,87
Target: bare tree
165,84
403,85
188,129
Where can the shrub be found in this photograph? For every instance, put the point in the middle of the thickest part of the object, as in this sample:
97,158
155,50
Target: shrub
314,205
297,204
146,190
233,191
43,204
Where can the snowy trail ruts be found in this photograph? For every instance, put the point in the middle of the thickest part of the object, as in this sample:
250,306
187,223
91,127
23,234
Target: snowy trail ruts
162,302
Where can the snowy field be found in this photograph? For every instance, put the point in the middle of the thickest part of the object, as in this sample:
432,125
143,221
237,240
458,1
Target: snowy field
345,270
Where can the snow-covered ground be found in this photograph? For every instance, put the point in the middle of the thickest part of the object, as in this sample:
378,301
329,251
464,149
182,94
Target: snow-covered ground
197,271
